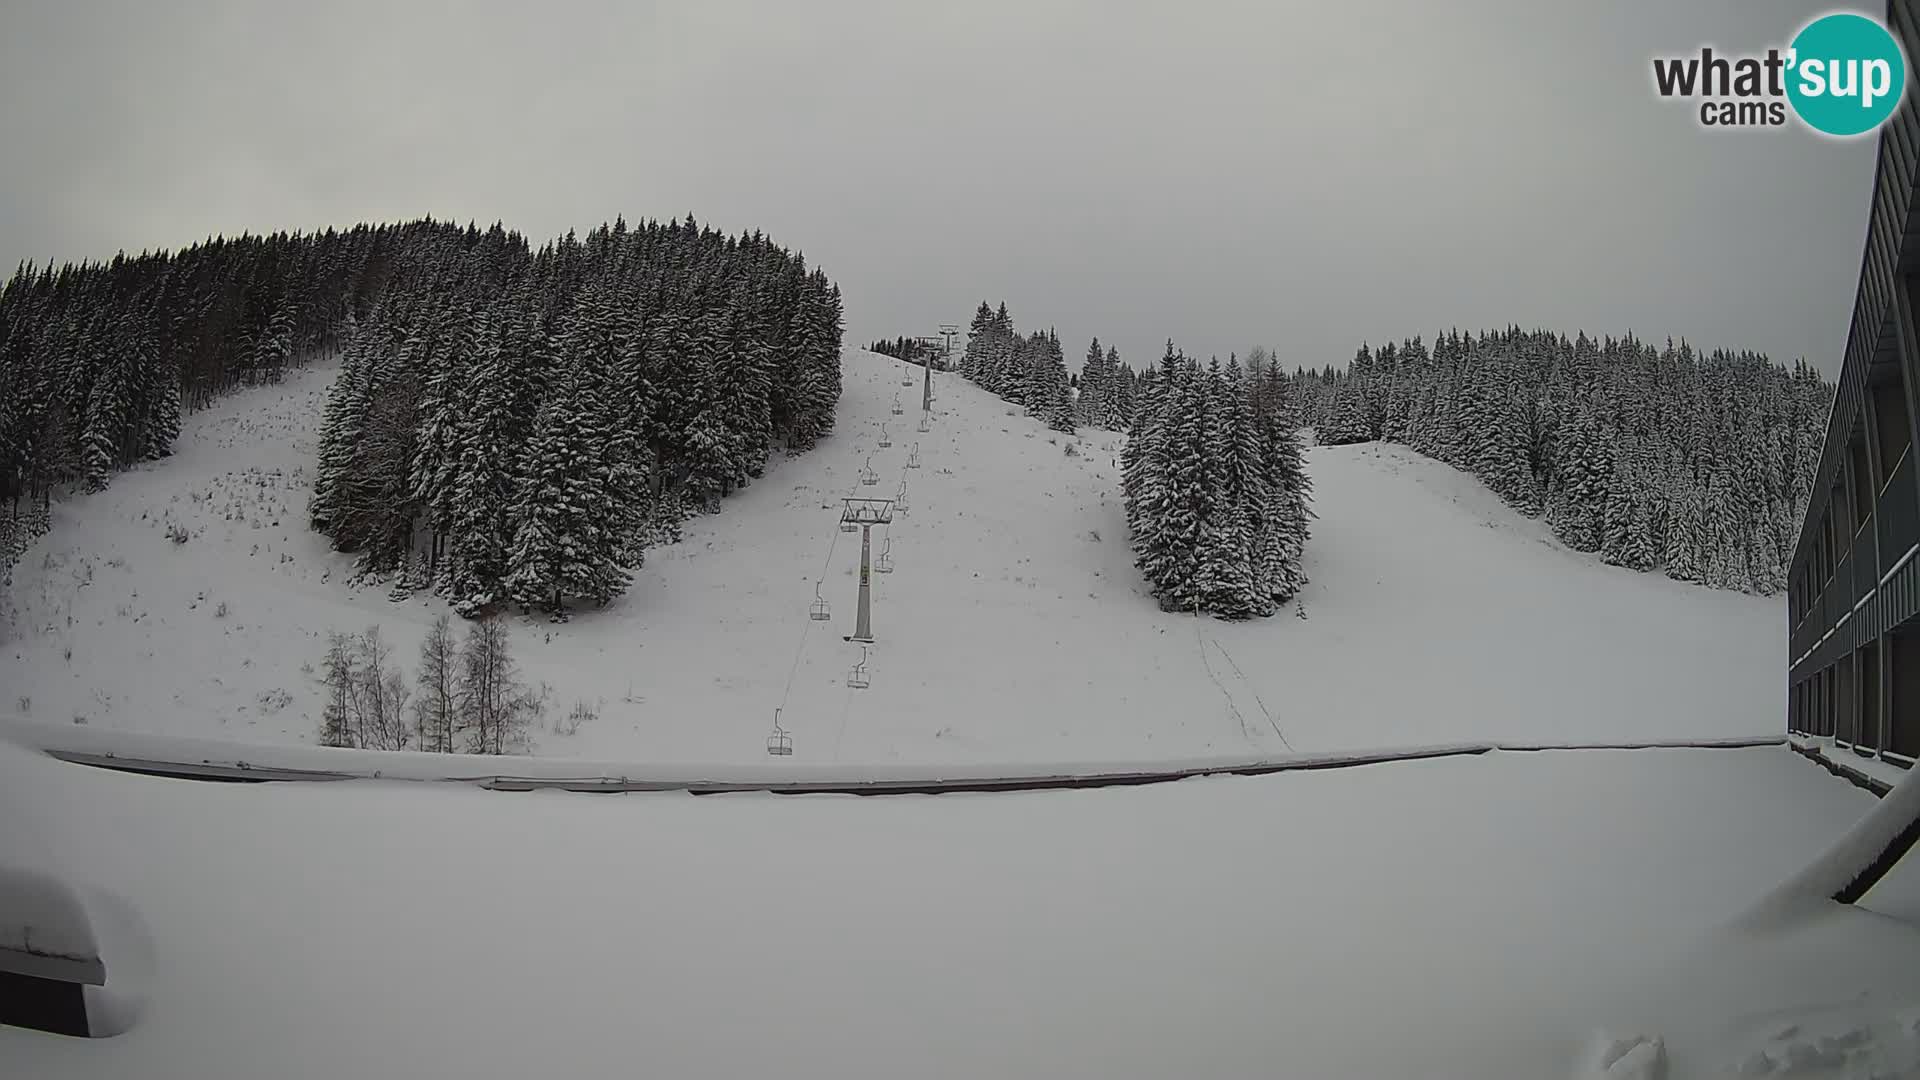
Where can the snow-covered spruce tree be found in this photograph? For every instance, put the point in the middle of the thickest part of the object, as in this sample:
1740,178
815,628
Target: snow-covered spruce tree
1347,419
1145,461
1090,405
1120,383
1283,468
973,359
1047,389
565,543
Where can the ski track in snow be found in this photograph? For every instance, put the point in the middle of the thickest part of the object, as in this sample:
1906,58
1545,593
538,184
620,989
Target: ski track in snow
1007,632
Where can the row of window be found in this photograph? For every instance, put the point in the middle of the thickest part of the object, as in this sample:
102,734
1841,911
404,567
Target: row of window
1868,699
1846,515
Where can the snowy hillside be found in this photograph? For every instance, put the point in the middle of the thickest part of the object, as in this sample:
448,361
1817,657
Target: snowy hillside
1013,627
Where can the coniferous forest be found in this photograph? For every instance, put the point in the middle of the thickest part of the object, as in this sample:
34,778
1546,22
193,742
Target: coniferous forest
1216,487
1214,476
911,350
507,425
1027,370
1699,466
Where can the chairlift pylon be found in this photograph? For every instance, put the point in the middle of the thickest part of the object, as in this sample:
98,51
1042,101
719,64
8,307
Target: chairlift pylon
819,611
779,743
867,476
857,678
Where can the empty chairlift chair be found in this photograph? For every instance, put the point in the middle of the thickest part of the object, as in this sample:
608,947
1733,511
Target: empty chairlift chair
818,611
913,459
900,500
779,743
897,409
884,564
857,678
868,477
886,439
926,422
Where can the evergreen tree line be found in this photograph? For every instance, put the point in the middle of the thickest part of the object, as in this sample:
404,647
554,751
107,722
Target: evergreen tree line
99,359
507,425
911,350
1216,487
1106,390
1700,466
521,426
1027,370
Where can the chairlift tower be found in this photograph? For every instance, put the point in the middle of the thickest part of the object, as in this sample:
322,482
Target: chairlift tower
865,513
949,331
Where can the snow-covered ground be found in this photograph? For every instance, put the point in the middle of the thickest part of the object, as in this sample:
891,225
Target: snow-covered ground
1013,629
1483,917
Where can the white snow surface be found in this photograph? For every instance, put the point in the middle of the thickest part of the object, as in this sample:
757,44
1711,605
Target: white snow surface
1014,629
1479,917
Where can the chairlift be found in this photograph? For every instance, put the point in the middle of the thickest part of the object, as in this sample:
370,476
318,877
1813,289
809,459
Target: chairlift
886,440
857,678
897,408
913,459
848,526
818,611
779,743
867,476
884,564
926,422
900,500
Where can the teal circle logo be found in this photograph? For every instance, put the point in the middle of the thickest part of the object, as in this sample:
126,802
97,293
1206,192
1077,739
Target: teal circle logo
1846,74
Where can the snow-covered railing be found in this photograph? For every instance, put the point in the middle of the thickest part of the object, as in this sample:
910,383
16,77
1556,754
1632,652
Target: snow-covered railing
1851,865
208,759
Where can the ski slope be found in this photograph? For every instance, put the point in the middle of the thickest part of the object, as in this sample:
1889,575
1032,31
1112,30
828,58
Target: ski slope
1013,629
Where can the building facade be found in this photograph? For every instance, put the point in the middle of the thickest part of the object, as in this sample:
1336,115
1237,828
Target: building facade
1854,582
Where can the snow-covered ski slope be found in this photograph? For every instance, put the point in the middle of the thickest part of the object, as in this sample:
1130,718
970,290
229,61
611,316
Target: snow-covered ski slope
1013,627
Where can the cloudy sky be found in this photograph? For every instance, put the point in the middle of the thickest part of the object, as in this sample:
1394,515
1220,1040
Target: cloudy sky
1223,173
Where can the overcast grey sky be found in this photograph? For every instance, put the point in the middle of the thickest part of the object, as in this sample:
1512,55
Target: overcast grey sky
1222,173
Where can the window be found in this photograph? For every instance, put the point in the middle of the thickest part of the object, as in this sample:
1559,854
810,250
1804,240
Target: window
1867,662
1863,485
1894,429
1903,707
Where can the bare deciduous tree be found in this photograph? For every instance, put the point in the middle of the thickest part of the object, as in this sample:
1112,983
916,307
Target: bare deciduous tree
434,710
495,709
336,720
